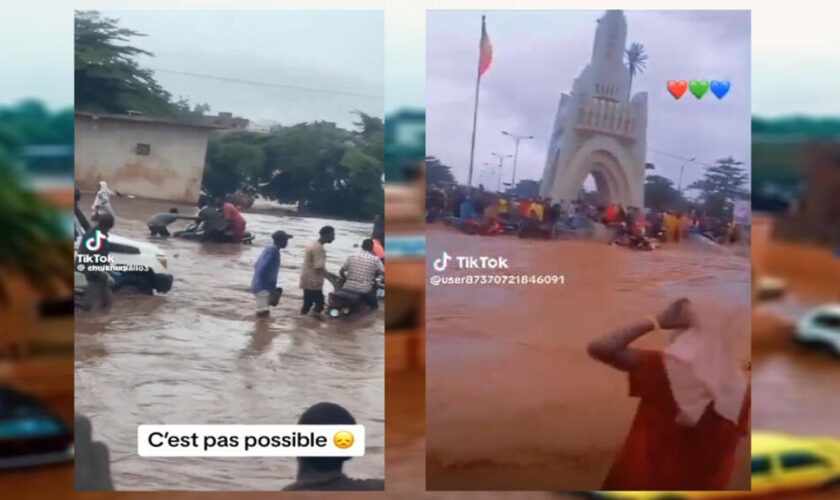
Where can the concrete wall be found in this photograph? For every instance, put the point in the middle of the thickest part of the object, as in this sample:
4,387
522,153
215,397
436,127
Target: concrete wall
105,150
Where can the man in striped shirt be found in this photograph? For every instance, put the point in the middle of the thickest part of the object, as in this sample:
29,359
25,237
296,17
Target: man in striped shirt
360,273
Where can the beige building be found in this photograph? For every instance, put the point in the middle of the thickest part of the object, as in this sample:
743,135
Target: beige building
141,156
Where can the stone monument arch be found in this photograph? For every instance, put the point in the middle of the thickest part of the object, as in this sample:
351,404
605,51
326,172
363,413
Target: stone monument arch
598,128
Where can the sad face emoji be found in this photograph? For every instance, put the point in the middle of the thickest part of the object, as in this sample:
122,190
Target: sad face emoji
343,439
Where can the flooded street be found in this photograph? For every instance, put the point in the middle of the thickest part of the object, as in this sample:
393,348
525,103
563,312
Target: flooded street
197,355
541,413
795,387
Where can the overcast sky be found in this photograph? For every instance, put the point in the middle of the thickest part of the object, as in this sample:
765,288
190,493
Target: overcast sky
536,57
793,72
340,51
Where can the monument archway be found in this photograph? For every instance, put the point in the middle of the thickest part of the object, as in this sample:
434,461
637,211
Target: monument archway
617,178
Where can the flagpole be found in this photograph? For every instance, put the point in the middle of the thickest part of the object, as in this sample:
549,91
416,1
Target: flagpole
475,108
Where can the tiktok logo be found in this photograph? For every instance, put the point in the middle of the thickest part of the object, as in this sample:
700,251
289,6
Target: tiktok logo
441,263
94,243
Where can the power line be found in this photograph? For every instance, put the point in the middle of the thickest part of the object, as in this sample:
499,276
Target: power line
267,84
678,157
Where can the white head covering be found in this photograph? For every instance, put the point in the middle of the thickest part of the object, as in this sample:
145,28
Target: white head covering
703,364
103,198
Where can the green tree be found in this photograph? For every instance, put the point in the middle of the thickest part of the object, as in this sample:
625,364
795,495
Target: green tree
636,61
437,172
35,242
660,194
318,166
722,184
368,125
30,123
108,79
235,166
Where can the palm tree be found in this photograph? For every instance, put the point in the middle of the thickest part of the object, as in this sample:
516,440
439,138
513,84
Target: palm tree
636,61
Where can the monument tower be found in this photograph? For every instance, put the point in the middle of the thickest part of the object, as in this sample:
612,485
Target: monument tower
598,128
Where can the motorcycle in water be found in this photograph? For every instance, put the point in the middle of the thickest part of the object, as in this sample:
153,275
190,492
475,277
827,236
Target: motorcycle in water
195,232
344,303
625,238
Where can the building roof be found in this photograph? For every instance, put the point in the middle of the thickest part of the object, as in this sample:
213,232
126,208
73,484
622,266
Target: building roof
147,119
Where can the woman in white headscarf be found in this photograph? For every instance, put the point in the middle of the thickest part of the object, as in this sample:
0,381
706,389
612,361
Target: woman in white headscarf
102,202
694,399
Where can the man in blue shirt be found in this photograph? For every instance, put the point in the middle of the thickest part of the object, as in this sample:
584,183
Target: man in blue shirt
264,283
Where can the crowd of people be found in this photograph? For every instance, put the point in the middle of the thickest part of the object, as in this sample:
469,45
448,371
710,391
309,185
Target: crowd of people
476,211
221,222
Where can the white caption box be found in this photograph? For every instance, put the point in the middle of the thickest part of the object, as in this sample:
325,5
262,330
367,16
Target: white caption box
250,440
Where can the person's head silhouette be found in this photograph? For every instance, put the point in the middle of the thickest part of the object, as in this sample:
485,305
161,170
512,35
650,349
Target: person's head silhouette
324,473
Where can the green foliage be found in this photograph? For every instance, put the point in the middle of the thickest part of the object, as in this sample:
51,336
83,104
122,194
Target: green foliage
660,194
405,145
800,126
722,184
30,123
437,172
320,167
108,79
34,239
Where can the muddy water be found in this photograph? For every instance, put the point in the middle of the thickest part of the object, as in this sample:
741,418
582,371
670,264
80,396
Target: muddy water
541,414
197,355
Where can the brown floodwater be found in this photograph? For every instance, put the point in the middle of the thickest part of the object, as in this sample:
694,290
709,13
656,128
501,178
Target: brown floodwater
197,355
512,399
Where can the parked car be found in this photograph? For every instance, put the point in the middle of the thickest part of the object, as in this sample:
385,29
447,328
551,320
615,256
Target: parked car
769,288
821,326
781,464
126,251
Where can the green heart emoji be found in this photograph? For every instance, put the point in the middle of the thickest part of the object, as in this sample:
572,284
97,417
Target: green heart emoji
698,87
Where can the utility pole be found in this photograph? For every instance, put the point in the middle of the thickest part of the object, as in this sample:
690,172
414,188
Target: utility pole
516,138
501,162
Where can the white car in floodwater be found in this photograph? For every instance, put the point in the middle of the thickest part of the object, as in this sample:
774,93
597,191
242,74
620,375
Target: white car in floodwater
128,252
821,326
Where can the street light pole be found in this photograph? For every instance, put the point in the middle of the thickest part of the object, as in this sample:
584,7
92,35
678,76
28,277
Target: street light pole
516,138
501,162
682,167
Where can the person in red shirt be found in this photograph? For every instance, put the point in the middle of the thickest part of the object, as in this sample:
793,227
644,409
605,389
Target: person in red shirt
611,214
690,416
236,222
525,208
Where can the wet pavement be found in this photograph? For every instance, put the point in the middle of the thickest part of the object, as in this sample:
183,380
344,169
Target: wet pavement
541,413
197,355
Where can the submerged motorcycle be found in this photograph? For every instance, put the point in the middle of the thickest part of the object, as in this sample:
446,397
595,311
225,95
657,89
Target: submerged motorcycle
625,238
344,303
195,232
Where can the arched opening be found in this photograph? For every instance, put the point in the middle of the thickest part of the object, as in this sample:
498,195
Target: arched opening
601,171
595,188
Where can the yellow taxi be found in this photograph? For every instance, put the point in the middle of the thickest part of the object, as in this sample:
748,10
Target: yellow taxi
780,464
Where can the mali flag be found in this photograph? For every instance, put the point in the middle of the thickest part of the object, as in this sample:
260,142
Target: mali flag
485,50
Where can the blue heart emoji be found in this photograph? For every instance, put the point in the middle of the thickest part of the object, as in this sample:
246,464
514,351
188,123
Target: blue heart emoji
720,89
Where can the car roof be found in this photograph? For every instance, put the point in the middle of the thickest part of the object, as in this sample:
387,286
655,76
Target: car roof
832,309
768,442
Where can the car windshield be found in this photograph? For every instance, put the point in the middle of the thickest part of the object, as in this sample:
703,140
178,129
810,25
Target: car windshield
760,465
828,321
796,460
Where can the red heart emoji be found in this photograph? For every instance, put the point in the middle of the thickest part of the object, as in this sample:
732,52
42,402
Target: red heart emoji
677,88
